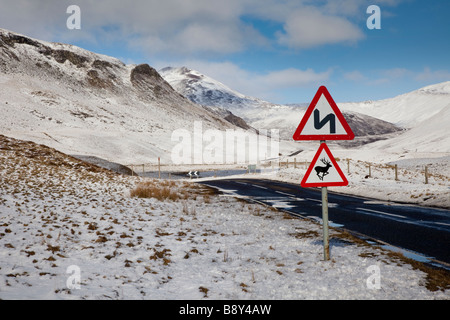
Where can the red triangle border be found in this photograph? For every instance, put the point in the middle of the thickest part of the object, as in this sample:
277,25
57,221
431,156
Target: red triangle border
305,184
298,133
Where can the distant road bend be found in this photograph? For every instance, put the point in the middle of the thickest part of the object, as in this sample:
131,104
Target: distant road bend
420,230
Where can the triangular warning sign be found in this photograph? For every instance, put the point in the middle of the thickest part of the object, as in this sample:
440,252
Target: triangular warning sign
324,171
323,120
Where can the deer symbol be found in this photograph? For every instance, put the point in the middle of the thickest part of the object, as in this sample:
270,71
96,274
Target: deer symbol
323,170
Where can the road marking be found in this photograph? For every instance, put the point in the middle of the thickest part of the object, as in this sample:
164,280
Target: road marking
381,212
284,193
281,204
442,223
314,200
261,187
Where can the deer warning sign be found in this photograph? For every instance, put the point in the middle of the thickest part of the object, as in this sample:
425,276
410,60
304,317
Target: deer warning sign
323,120
324,171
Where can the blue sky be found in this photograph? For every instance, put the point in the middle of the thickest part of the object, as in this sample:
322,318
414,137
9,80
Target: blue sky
277,50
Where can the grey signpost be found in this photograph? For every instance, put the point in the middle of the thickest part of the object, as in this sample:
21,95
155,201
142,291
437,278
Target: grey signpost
326,243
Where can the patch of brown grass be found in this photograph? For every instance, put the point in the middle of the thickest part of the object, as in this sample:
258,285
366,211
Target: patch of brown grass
306,234
436,279
163,254
151,189
171,190
204,291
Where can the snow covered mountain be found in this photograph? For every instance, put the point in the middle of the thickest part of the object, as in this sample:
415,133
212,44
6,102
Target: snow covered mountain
428,137
211,94
207,91
424,112
406,110
256,112
84,103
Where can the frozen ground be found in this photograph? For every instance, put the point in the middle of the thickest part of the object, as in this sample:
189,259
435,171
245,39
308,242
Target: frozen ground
63,220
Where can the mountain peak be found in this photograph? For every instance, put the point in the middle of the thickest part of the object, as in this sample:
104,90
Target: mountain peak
205,90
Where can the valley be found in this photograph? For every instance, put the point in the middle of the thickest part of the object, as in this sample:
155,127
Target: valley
86,214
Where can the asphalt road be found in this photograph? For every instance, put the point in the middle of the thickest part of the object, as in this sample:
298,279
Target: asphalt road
420,230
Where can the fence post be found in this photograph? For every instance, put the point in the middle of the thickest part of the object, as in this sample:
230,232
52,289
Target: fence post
295,163
159,168
132,170
396,172
348,166
426,174
370,172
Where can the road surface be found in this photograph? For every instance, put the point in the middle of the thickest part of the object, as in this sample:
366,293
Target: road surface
420,230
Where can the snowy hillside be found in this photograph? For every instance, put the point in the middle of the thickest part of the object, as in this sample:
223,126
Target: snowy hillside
426,112
429,136
258,113
85,233
406,110
84,103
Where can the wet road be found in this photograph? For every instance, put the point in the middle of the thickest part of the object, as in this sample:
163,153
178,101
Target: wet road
421,230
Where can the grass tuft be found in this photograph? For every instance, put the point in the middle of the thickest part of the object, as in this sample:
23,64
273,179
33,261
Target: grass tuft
150,189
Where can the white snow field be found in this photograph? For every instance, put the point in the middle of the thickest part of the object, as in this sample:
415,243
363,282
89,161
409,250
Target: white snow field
70,230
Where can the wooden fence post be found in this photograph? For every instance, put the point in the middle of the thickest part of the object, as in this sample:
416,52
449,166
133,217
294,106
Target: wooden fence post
159,168
426,174
396,172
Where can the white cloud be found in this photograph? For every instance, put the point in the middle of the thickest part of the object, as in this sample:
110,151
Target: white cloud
393,75
396,73
289,78
354,76
182,26
432,75
309,27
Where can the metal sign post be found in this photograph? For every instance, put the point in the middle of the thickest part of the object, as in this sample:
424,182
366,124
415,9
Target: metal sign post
326,243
